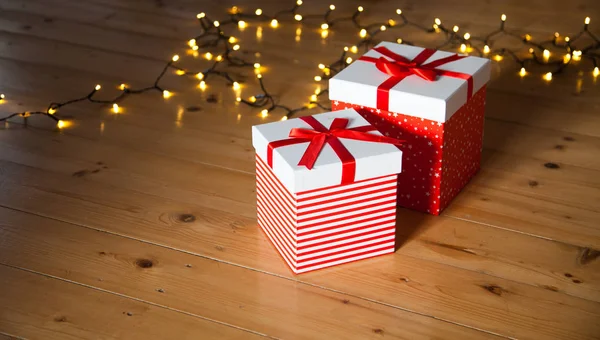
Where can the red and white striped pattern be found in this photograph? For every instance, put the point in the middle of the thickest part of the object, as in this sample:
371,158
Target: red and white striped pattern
329,226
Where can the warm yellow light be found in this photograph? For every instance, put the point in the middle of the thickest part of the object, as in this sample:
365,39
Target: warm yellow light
298,17
463,48
467,36
232,40
383,27
123,87
455,28
324,26
61,124
252,99
546,55
208,55
98,87
503,17
313,98
566,58
2,96
437,21
51,110
392,22
242,24
175,57
216,23
324,34
321,66
180,72
264,113
530,50
399,40
523,72
236,47
556,35
498,57
317,78
299,2
115,108
362,33
486,49
258,11
274,23
234,10
577,55
348,60
596,71
167,94
200,15
219,58
192,42
238,99
527,37
332,7
436,27
195,48
284,118
398,11
346,48
202,85
360,8
236,85
200,75
587,20
567,39
256,65
259,76
548,76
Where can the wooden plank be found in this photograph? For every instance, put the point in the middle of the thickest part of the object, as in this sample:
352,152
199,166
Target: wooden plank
219,291
41,307
400,280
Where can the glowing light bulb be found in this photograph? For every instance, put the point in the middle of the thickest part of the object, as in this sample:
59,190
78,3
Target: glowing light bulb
546,55
232,40
567,39
2,96
51,110
360,8
346,48
503,17
200,15
566,58
436,27
318,78
217,23
399,40
167,94
577,55
123,87
383,27
332,7
362,33
391,22
236,47
256,65
486,49
556,35
195,48
498,57
596,71
348,60
284,118
180,72
175,58
219,58
274,23
98,87
258,11
202,85
192,42
200,75
587,20
324,26
548,76
354,49
399,11
527,37
437,21
467,36
299,2
463,48
321,66
238,99
115,108
236,85
253,99
313,98
242,24
522,72
531,50
61,124
208,55
259,76
264,113
455,28
298,17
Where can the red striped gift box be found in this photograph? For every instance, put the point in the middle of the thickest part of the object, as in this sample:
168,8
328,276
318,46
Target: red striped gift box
329,226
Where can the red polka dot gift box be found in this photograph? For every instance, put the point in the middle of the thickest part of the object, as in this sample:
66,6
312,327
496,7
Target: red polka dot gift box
435,101
326,188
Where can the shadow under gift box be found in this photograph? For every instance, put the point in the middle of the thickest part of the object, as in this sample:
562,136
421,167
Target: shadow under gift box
311,217
440,118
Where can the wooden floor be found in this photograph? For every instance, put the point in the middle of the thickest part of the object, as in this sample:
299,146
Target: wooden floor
142,225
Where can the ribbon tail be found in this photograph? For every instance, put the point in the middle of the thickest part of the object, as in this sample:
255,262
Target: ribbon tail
312,152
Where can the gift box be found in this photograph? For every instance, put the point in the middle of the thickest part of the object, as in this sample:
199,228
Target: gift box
435,101
326,188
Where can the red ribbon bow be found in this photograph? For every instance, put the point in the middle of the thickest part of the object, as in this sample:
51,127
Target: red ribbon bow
401,67
320,136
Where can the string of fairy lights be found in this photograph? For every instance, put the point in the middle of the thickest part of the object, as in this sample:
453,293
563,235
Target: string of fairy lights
215,34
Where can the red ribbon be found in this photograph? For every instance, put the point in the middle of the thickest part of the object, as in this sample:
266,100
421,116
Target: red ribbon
320,136
400,67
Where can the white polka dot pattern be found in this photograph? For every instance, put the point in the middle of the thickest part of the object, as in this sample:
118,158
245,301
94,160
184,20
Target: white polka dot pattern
439,158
